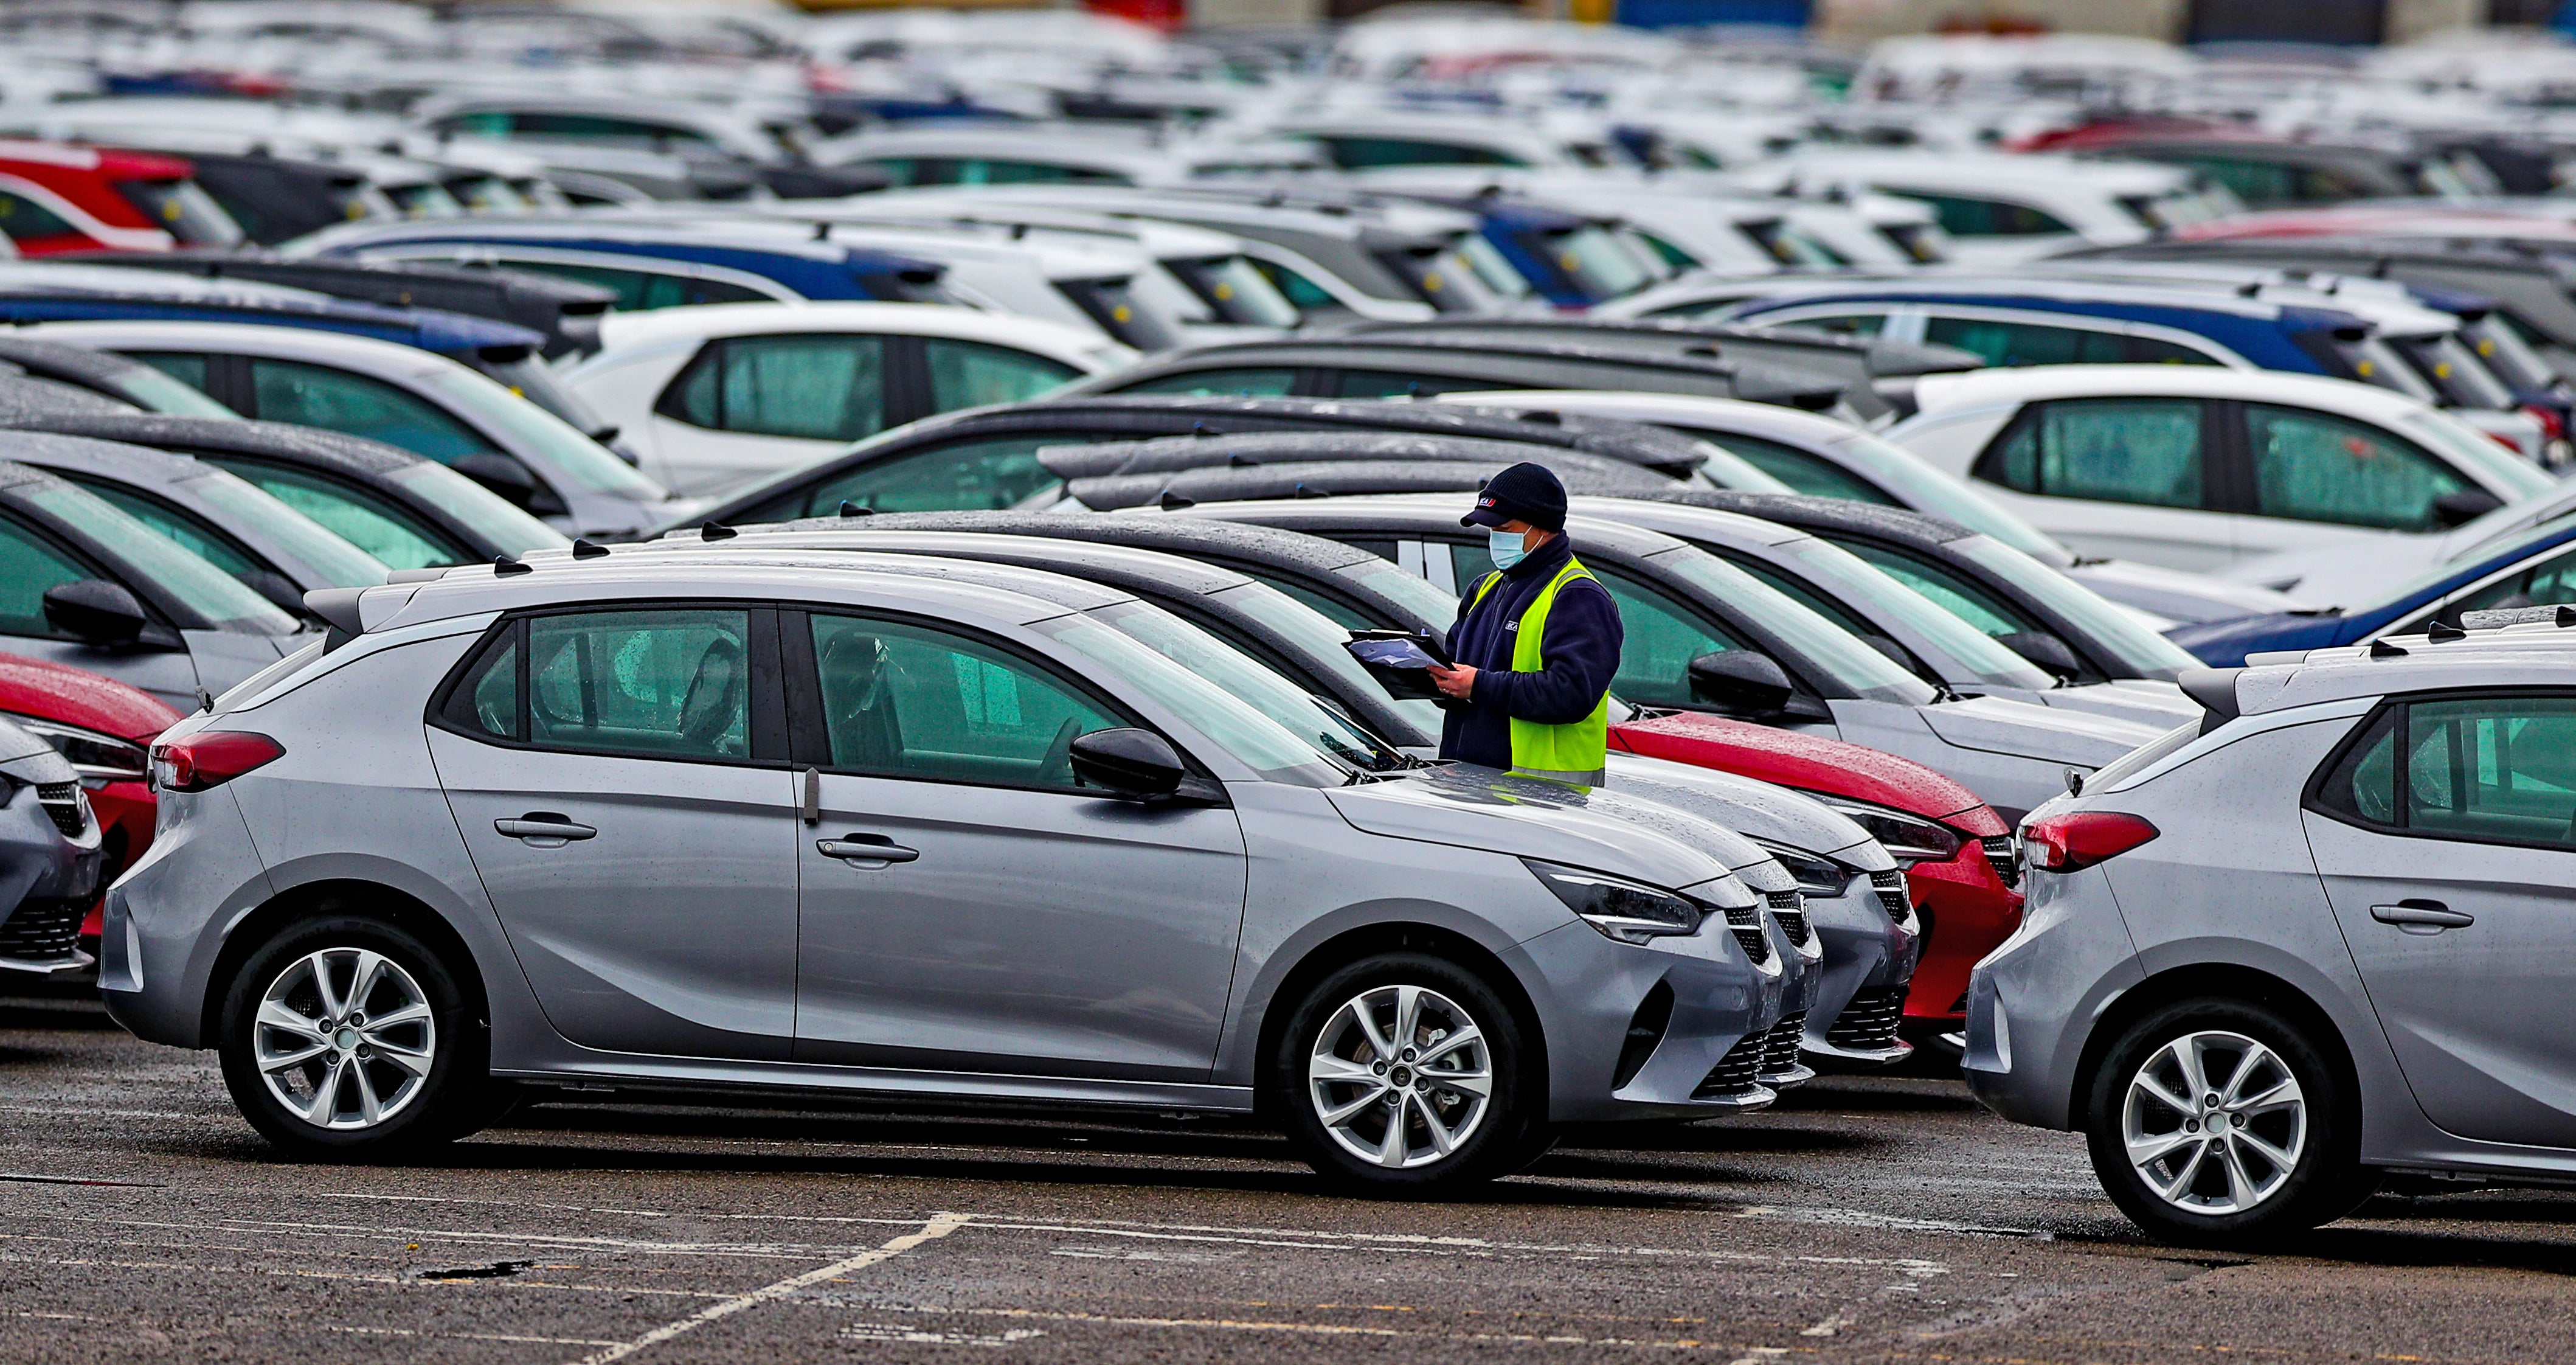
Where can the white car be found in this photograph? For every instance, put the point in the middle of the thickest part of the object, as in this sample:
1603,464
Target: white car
713,395
978,154
2003,209
2195,467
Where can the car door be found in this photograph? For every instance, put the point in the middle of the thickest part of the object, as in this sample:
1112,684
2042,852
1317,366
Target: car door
2318,478
2126,478
966,905
747,406
2443,833
620,776
33,564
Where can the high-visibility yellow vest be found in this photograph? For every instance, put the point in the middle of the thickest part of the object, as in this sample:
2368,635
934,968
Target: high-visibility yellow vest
1571,753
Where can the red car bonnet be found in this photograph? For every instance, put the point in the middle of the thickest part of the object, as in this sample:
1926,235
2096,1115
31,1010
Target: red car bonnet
1809,763
32,687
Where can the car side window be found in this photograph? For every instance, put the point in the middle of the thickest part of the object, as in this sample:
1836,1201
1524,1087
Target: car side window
485,701
2492,770
29,568
640,291
1844,324
2135,450
986,170
981,476
1955,592
1247,383
1397,384
1662,637
2547,583
1358,153
2028,343
2315,466
25,220
669,682
970,374
200,539
1299,290
1802,470
373,524
1967,216
908,701
339,400
186,368
815,388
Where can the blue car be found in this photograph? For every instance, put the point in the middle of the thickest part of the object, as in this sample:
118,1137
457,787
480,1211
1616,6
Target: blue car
2534,569
1571,261
656,264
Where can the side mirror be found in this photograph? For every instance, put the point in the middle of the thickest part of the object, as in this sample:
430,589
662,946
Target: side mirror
95,612
1741,682
2045,650
1133,765
512,481
2463,506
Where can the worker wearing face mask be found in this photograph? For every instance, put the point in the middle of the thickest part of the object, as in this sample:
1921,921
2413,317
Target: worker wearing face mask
1536,642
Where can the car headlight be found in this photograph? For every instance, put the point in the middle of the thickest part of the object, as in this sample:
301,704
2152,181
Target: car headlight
1630,912
1817,876
1907,838
98,757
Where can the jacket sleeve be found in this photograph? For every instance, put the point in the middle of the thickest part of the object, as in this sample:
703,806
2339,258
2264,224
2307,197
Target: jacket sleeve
1577,660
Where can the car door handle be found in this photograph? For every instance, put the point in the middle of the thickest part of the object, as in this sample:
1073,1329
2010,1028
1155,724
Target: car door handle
866,848
544,829
2422,917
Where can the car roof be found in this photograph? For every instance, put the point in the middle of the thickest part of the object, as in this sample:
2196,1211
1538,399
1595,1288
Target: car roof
123,463
356,455
1940,392
1461,354
1080,558
1306,479
1818,514
1419,514
2376,671
2045,289
628,330
1173,535
1172,454
1668,410
250,338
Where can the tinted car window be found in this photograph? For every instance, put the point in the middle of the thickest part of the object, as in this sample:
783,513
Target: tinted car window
2141,450
985,475
641,291
970,374
199,538
187,369
1396,384
671,683
1356,153
1662,637
25,220
907,701
816,388
28,570
486,700
618,132
1263,383
2314,466
1964,216
374,524
1803,471
1955,593
2031,343
997,171
2493,769
338,400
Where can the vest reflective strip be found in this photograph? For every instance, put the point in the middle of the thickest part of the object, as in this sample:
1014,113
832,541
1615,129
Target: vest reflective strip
1569,753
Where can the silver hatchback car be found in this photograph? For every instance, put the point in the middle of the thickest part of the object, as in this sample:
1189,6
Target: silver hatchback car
892,827
2316,941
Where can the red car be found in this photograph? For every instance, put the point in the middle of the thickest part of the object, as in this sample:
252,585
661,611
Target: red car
57,197
1958,854
105,728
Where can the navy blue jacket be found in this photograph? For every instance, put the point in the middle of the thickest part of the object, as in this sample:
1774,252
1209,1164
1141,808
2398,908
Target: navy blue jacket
1577,659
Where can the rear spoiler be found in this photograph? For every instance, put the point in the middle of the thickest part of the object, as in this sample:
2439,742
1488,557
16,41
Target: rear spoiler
2215,690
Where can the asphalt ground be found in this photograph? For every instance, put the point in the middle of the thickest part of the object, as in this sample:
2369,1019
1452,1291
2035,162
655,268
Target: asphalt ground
1877,1219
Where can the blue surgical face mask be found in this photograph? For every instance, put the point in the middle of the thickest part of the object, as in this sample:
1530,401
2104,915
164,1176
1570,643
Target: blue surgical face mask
1506,548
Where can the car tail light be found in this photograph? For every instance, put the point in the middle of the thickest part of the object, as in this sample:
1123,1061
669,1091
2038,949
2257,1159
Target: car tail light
2065,843
2552,426
210,759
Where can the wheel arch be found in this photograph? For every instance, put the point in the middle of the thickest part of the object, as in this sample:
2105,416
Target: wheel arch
354,896
2213,981
1351,945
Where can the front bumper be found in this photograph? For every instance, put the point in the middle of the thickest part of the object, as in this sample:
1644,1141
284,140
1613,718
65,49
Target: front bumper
1598,991
1966,910
1868,961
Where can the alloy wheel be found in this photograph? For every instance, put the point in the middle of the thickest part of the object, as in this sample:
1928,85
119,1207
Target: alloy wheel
2214,1123
1400,1076
344,1038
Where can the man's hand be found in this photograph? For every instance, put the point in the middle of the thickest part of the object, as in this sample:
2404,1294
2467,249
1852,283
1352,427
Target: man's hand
1454,682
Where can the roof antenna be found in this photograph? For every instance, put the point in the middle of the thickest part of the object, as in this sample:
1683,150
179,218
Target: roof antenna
852,509
1201,429
1305,491
1239,460
2249,289
2440,632
822,231
716,530
2379,269
1173,502
2381,649
503,566
586,549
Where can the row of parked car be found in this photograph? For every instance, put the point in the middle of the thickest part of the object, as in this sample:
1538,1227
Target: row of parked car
692,635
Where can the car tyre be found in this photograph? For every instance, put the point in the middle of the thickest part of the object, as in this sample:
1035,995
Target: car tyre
346,1038
1406,1074
2264,1143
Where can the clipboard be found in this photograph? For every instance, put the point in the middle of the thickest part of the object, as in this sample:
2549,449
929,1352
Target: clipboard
1404,682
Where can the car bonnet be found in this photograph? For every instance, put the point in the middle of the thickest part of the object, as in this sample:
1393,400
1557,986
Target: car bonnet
29,759
2055,734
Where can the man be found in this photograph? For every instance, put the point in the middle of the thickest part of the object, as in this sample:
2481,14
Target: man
1535,645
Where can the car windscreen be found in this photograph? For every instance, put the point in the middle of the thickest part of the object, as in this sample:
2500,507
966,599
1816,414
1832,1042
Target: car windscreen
1493,269
1930,491
1594,260
1172,661
2468,446
183,209
2453,370
1112,303
1319,640
2506,353
479,509
1853,665
1844,575
214,599
535,380
532,428
340,563
2145,652
1238,292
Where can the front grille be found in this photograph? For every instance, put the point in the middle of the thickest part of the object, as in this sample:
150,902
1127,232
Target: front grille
63,801
1790,909
42,929
1892,895
2001,851
1869,1022
1733,1074
1747,924
1780,1045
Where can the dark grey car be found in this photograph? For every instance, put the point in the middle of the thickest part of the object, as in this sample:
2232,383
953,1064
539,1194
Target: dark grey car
49,859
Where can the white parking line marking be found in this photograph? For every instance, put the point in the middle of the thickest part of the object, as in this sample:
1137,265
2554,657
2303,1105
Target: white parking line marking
940,1225
1344,1329
467,1336
1834,1322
